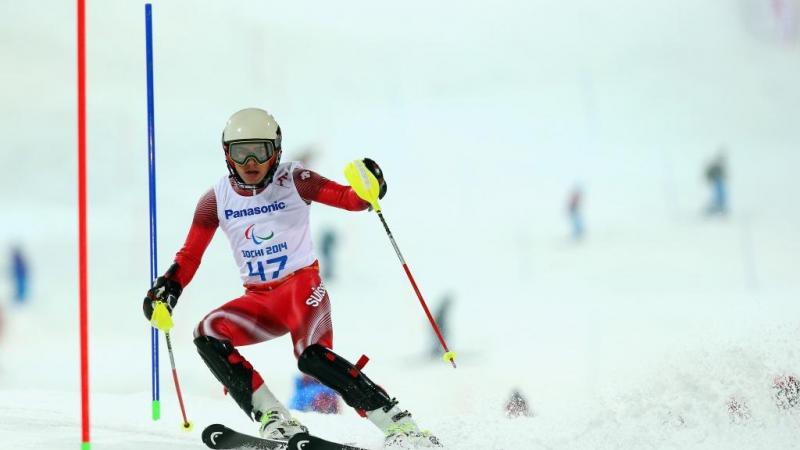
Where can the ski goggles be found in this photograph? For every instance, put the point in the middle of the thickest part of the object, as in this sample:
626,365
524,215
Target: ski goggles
261,151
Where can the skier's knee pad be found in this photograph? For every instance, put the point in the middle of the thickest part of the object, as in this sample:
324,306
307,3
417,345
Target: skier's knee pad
338,374
230,368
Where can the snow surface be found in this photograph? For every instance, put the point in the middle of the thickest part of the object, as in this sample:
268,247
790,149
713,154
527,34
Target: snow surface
483,118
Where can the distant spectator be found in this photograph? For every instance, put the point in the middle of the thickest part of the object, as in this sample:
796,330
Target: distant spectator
575,212
327,253
716,175
19,275
442,318
307,156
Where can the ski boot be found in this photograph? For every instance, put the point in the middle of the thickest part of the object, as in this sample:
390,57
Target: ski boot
278,425
400,429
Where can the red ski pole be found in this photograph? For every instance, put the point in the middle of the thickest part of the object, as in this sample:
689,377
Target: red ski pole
448,355
187,426
366,186
162,320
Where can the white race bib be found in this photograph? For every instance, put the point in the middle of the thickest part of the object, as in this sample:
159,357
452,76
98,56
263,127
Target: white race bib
269,232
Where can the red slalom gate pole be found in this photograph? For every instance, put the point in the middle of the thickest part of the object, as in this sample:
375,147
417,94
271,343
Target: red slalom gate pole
83,279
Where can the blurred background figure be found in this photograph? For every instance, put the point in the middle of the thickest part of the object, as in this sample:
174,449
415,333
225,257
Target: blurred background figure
441,316
517,405
307,155
19,275
716,175
786,391
738,410
774,20
327,253
311,395
786,18
575,212
329,238
2,319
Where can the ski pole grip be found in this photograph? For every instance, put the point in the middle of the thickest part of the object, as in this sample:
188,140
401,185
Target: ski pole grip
161,317
363,182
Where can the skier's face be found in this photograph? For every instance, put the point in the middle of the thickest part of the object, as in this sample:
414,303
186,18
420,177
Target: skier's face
251,171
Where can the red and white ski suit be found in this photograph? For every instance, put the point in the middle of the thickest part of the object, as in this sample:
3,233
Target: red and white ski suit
269,236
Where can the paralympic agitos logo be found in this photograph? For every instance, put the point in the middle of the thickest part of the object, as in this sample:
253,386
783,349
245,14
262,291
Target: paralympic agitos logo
236,213
250,235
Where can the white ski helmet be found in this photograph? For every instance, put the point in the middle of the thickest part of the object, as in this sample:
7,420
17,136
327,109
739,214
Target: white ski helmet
248,127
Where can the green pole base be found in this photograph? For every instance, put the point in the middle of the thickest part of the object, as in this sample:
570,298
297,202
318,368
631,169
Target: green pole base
86,445
156,409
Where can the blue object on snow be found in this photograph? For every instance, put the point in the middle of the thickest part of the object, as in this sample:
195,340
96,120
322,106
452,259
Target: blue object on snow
19,275
311,395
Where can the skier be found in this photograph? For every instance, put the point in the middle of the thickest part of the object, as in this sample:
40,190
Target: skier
263,208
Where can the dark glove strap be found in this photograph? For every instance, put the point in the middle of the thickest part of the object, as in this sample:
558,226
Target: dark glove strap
171,287
172,290
375,169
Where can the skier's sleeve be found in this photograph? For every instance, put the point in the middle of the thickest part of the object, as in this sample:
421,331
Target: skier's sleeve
313,187
204,225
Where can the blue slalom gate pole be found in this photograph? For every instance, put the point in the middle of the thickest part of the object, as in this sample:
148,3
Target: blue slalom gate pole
151,152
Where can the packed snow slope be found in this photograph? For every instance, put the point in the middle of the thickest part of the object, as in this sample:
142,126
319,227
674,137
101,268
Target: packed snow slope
482,118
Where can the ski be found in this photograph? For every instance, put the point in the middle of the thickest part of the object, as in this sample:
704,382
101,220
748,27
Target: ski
305,441
219,436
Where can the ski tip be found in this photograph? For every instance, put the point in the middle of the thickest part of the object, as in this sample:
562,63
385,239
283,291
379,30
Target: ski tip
304,441
299,441
211,433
